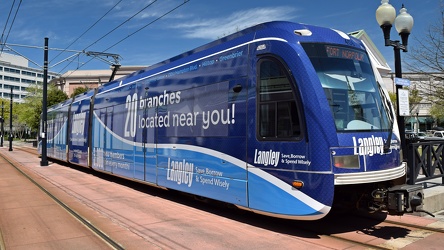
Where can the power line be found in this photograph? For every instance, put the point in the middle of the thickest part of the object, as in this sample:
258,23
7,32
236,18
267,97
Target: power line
155,20
87,30
10,27
118,26
7,21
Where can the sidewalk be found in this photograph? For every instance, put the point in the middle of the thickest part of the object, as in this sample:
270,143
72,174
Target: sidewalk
30,219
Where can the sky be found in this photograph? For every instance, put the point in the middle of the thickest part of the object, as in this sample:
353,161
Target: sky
143,32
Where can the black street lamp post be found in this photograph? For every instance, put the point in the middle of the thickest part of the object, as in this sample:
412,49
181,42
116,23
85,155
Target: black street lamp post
386,16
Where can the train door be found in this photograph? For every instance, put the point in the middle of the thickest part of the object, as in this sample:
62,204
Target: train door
145,164
277,150
151,150
50,135
145,167
104,140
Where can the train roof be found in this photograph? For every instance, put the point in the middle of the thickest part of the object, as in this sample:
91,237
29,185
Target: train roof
290,31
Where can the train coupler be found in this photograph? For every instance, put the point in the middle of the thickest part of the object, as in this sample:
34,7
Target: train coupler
399,199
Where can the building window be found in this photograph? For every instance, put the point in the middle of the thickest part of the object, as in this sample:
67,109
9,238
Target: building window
7,86
12,70
28,73
28,81
12,79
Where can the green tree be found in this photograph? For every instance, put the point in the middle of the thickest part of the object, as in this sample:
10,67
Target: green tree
437,111
55,95
78,90
32,106
6,115
414,100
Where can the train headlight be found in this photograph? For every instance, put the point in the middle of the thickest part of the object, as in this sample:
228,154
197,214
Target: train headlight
346,161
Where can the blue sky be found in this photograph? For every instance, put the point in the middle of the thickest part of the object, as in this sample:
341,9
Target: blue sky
195,23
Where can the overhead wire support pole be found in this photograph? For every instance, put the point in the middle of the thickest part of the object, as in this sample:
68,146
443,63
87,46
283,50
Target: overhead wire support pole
44,160
10,120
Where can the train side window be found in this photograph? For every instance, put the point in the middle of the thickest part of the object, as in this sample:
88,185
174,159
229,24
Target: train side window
278,116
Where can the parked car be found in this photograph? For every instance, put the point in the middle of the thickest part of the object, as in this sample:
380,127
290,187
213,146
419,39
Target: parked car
436,136
413,136
422,135
439,134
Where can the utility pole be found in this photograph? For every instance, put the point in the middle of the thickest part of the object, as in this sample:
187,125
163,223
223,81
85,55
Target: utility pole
44,160
10,121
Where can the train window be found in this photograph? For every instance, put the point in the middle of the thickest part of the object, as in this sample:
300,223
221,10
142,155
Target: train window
350,87
278,116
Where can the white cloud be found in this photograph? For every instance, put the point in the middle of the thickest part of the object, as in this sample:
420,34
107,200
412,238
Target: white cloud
213,28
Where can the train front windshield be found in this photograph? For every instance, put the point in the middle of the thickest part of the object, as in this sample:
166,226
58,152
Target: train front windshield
350,86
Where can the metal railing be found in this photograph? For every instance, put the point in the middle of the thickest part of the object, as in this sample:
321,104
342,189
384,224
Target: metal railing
425,158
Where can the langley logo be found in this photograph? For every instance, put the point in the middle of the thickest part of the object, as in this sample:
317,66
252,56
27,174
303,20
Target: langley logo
266,157
368,146
180,172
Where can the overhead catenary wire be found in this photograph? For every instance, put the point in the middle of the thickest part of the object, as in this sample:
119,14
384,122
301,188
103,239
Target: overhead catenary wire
111,31
114,29
120,25
6,25
10,27
138,30
86,31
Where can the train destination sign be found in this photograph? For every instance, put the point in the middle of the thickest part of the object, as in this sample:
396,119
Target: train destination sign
344,53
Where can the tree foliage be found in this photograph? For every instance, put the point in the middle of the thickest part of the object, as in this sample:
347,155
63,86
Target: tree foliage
55,95
78,90
414,100
428,53
427,57
32,107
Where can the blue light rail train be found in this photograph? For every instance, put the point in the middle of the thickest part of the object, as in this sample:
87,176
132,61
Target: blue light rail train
282,119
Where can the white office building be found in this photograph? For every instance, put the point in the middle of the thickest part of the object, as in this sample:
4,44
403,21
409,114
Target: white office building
15,73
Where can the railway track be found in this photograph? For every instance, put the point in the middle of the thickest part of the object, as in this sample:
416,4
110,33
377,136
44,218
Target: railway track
101,235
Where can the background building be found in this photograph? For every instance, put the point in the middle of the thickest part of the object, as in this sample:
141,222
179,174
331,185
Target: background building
420,118
91,79
15,73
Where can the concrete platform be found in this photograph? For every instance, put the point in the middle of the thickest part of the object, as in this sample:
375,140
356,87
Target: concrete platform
434,196
30,219
142,220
